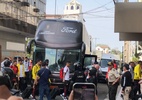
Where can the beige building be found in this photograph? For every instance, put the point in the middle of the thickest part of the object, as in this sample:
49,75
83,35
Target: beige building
127,52
18,20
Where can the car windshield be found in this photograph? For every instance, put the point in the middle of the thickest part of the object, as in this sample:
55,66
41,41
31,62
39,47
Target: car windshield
88,62
57,57
104,62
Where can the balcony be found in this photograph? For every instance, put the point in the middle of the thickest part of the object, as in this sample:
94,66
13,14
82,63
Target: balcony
16,0
25,3
19,25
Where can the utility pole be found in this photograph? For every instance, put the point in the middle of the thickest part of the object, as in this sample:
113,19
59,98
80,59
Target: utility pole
95,43
55,6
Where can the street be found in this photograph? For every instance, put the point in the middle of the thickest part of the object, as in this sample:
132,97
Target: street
102,92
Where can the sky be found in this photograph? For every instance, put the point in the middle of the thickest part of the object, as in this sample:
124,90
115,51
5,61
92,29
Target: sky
99,17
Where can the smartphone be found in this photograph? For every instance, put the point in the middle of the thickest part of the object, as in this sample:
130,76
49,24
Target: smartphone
84,91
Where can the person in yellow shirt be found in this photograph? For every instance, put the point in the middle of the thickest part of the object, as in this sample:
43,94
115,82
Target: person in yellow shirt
21,76
137,77
35,70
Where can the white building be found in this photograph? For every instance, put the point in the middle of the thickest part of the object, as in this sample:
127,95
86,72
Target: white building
103,48
73,11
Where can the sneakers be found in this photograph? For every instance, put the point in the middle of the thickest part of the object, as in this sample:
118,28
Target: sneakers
65,98
62,95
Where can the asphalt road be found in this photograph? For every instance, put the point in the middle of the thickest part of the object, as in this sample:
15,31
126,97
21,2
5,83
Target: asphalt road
102,92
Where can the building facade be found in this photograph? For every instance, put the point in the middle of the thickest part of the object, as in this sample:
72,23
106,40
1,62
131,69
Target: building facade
18,20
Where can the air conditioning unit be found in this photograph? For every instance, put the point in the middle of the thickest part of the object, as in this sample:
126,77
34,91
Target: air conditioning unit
25,3
36,10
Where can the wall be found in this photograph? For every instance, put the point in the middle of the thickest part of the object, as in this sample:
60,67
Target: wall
11,38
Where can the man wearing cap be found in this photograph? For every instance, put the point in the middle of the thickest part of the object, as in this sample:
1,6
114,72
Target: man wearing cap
126,82
113,81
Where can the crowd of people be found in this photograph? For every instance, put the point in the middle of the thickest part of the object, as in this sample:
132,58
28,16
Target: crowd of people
38,76
130,80
25,74
22,69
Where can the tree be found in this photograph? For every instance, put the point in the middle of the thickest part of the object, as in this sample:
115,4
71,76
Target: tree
135,59
115,51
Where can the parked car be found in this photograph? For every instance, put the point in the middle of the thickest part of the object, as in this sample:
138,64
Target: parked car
103,65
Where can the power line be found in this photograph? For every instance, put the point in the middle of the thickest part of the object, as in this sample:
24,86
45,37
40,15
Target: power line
87,12
100,16
98,7
102,10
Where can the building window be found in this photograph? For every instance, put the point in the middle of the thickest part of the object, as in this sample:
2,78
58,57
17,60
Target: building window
77,7
67,7
72,7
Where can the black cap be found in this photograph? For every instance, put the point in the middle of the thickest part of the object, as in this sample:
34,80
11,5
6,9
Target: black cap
126,66
96,62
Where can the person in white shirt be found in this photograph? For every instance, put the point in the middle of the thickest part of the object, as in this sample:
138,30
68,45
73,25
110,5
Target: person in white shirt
26,65
21,76
66,75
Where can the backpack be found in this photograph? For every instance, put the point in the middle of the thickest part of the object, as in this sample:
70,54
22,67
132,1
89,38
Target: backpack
80,76
61,73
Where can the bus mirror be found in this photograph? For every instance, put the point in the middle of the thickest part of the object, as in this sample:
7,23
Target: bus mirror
59,61
29,45
83,48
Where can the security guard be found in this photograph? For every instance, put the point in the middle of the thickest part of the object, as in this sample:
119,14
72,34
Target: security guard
113,81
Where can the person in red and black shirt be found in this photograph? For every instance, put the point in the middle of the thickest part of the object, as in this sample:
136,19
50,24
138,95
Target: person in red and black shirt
114,64
15,70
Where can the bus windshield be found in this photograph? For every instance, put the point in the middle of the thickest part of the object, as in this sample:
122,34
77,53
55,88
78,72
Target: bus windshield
57,57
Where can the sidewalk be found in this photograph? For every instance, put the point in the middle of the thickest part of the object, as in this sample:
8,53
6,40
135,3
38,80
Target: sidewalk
118,96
